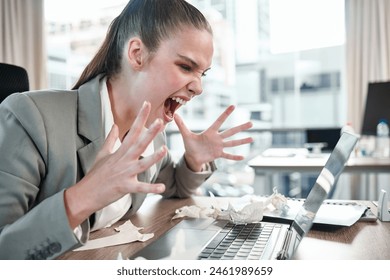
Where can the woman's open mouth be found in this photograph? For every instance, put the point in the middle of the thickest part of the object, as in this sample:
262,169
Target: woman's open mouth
170,107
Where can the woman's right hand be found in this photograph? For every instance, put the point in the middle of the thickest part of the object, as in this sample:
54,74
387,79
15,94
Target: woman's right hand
114,174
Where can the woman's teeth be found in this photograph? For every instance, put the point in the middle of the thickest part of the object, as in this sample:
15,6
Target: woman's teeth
179,100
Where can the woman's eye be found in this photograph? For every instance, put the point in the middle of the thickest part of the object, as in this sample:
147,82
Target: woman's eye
186,67
189,69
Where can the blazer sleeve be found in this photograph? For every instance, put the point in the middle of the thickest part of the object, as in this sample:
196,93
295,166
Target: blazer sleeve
28,229
179,180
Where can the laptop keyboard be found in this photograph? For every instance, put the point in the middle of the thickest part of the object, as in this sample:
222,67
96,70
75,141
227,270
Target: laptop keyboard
239,241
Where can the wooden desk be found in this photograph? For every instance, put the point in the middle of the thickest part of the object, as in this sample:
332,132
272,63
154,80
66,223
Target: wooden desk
266,166
363,240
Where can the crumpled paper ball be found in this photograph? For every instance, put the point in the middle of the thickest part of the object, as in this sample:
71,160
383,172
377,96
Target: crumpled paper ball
252,212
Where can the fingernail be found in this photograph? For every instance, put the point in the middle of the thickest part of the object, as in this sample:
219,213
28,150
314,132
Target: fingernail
158,122
163,149
145,104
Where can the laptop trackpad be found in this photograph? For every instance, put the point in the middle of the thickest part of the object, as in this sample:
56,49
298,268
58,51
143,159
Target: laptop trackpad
183,242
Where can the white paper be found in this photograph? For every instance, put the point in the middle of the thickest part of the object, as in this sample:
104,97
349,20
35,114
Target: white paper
252,211
126,233
254,208
193,211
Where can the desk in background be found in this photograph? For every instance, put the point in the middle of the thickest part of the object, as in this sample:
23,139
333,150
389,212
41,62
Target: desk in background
363,240
266,166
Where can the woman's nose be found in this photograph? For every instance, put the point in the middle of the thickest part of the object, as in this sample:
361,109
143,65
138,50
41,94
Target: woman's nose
195,86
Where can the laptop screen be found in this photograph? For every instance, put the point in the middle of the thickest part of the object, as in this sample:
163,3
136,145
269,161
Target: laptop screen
323,185
326,180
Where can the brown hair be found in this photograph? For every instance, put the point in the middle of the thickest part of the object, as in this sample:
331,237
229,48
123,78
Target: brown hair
152,21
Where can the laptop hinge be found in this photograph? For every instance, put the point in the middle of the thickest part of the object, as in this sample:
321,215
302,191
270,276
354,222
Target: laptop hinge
283,253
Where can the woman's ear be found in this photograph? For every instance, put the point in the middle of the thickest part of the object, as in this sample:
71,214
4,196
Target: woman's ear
135,50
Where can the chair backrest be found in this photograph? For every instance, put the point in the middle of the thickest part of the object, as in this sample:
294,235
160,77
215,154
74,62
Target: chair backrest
12,79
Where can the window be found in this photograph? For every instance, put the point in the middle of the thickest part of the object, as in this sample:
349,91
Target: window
74,35
300,55
305,24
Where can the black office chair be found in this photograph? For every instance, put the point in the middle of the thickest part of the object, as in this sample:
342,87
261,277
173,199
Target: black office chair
12,79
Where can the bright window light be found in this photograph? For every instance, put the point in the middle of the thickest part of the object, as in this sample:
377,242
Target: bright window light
73,10
306,24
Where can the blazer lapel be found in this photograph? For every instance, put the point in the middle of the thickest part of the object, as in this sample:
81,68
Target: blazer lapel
90,125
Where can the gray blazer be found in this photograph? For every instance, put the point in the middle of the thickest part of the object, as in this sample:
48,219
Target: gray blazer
48,141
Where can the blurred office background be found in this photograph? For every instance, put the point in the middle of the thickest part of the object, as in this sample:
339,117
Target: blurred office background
288,65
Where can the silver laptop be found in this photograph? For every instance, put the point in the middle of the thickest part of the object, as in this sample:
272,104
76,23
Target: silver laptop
215,239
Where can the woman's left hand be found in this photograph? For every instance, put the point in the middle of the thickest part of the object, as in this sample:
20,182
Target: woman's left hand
204,147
